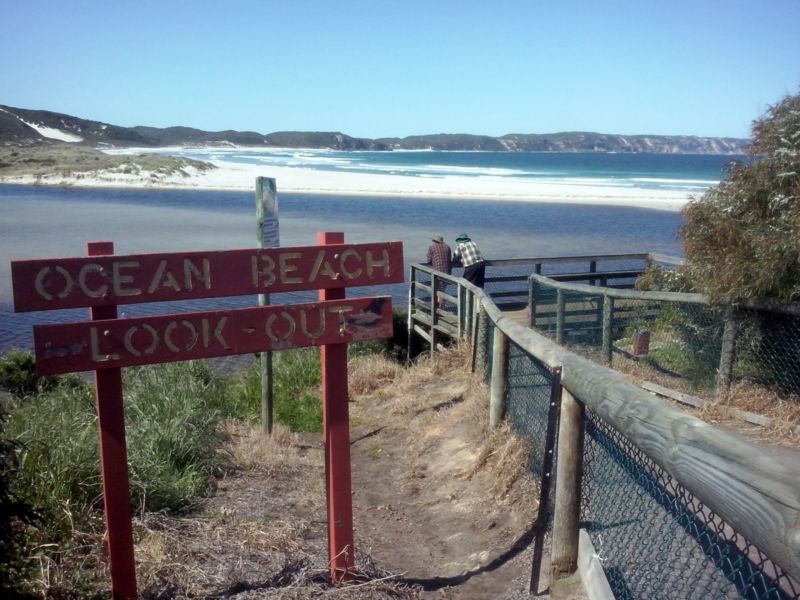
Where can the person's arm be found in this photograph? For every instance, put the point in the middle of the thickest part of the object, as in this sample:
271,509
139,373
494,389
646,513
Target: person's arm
456,262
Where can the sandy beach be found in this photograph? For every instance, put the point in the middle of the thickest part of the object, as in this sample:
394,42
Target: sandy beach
129,168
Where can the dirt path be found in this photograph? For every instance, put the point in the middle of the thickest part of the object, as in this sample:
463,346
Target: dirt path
436,500
441,509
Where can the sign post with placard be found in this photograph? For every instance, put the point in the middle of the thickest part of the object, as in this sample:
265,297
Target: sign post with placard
268,236
106,343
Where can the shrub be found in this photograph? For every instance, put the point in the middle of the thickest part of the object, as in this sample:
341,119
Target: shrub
742,239
15,516
18,374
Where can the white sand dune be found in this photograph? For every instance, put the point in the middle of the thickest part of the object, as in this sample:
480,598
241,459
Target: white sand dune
302,179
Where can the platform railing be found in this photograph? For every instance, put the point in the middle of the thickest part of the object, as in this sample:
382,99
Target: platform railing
673,506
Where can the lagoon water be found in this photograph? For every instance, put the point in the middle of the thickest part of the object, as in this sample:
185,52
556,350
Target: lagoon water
40,222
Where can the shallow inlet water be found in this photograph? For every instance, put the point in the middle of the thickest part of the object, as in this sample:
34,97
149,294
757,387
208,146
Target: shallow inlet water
38,222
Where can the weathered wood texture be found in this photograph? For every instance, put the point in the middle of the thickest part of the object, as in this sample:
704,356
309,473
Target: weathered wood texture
499,385
564,551
758,496
85,346
55,283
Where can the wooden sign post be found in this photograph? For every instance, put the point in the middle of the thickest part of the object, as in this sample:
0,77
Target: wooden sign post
114,458
106,344
268,236
336,432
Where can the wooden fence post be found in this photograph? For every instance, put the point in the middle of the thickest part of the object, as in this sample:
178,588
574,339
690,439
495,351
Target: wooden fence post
561,306
728,349
569,466
412,280
434,316
499,384
608,313
470,316
461,311
114,460
531,302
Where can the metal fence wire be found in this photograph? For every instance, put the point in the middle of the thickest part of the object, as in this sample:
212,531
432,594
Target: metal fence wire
655,539
677,341
528,402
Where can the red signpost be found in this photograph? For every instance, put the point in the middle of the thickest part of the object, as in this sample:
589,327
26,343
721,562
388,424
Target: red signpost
336,433
114,459
105,344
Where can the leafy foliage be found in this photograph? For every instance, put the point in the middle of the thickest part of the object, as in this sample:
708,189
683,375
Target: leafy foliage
18,374
742,239
15,516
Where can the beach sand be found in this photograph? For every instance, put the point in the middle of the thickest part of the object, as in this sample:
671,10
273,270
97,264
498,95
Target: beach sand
129,169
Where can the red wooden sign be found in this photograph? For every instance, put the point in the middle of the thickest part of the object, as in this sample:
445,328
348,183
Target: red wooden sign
103,280
92,345
53,283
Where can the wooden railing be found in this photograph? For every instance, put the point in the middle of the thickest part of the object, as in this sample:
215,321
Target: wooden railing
756,495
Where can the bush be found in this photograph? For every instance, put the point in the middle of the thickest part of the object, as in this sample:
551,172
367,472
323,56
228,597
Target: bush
18,374
15,517
742,239
172,414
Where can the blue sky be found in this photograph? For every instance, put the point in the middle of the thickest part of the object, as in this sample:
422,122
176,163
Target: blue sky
385,68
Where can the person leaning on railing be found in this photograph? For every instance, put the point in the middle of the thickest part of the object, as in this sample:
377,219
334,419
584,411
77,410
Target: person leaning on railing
468,254
440,257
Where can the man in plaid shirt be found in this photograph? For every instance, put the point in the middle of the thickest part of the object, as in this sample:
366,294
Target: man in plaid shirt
440,258
468,254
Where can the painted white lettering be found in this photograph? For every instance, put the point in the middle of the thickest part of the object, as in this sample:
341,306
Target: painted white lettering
270,326
82,275
119,279
163,278
341,310
312,335
127,340
94,343
191,272
383,262
322,266
38,283
264,276
343,264
205,332
286,268
188,325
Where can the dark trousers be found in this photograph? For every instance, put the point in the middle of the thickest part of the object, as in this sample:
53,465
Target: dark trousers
475,273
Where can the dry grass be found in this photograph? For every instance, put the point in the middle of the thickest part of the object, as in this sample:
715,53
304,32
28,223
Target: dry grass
505,456
783,412
370,373
251,449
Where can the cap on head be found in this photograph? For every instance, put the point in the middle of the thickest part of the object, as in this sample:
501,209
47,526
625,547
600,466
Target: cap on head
438,239
463,238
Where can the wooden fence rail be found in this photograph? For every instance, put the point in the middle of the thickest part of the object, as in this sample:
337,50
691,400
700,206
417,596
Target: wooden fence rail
756,495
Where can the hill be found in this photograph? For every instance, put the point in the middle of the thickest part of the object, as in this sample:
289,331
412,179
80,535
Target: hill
23,126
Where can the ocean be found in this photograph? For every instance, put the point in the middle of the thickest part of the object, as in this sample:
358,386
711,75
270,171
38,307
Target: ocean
38,222
673,172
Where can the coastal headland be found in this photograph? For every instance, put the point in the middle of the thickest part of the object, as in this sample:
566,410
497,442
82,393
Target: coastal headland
45,148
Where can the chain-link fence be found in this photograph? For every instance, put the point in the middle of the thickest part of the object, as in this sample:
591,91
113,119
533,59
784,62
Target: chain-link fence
681,342
653,536
656,539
